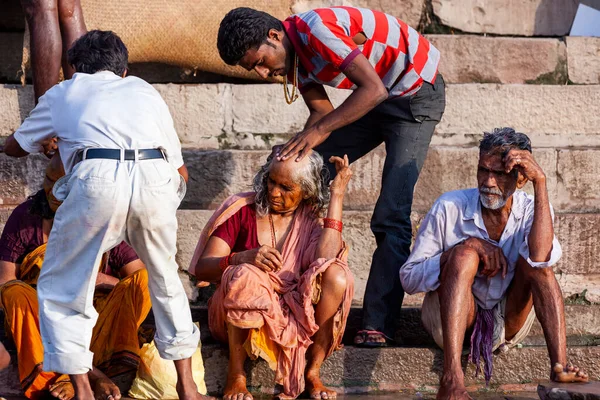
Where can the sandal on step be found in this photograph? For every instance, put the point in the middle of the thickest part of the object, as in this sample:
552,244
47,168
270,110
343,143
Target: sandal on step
365,338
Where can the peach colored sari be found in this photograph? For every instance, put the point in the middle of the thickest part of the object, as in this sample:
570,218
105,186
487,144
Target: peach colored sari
277,307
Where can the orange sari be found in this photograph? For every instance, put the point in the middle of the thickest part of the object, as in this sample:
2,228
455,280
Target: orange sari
114,341
277,307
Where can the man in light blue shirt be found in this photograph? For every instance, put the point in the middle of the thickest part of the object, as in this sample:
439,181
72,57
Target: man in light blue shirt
484,258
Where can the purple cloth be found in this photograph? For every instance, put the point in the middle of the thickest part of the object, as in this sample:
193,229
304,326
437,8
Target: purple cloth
24,233
482,342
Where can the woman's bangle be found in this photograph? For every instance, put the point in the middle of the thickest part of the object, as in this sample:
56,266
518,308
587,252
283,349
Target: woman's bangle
333,224
226,261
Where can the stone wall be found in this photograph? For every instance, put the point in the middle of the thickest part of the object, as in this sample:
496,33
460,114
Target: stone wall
528,75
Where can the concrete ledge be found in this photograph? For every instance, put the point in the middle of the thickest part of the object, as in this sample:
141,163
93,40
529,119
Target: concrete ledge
391,369
220,116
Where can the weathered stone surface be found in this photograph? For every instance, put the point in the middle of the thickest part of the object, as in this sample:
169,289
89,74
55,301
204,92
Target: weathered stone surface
352,370
408,11
583,59
578,179
402,368
200,112
565,391
214,175
480,59
523,18
255,116
15,103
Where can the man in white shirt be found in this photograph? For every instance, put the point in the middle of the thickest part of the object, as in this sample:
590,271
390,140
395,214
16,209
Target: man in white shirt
484,256
124,181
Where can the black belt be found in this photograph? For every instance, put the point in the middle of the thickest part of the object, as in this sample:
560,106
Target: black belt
115,154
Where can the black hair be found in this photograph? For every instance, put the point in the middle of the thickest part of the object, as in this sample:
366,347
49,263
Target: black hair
241,29
98,51
504,139
39,205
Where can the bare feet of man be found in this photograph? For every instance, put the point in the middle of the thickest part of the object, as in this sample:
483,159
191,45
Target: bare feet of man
62,390
105,389
236,388
452,389
571,373
316,389
191,393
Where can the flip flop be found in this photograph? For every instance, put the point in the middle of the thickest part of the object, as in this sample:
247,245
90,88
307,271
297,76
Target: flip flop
365,342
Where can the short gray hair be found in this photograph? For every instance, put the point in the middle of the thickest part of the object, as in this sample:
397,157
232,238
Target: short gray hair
504,139
313,180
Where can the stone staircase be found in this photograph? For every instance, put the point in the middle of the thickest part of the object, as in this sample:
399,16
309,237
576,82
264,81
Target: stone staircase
547,87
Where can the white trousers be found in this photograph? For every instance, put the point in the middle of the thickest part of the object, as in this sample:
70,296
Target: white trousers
106,202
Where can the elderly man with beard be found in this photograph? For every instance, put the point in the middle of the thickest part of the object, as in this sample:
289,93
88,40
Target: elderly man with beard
484,257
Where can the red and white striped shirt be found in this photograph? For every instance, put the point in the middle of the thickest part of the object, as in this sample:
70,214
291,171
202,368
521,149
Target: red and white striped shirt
322,39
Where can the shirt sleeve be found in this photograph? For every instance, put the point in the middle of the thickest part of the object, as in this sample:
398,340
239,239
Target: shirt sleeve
421,272
36,128
556,252
230,229
330,41
120,256
12,246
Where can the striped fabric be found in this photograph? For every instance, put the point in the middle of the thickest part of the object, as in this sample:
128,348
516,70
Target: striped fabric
323,42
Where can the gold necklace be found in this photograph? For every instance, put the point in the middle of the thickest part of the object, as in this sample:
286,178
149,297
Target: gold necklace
291,97
273,236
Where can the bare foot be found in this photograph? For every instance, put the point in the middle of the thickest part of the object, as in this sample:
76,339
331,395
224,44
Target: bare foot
191,393
316,389
63,390
236,388
452,388
569,374
4,357
105,389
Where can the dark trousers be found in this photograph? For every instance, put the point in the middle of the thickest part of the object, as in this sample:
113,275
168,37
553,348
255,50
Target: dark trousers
405,125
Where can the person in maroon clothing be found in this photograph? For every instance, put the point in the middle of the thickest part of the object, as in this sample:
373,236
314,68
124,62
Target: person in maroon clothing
121,299
284,285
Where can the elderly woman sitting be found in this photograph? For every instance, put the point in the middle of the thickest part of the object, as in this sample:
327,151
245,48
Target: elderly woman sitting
285,289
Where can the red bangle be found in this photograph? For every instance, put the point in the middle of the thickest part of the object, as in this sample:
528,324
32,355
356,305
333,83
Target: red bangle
224,263
333,224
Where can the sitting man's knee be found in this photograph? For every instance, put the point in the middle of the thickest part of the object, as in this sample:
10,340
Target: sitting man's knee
462,260
335,277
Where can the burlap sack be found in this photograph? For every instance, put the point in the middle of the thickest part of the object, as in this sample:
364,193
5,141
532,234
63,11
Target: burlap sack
176,32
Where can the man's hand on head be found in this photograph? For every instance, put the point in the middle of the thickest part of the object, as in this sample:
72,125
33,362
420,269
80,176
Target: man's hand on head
524,162
301,144
492,257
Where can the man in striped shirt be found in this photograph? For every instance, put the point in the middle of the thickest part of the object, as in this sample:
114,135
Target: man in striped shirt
398,98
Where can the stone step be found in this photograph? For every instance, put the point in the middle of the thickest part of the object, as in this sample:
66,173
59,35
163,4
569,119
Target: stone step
216,174
352,370
254,116
583,327
530,18
577,272
465,59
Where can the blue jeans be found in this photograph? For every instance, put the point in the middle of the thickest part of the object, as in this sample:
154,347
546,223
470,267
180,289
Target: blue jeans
405,125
